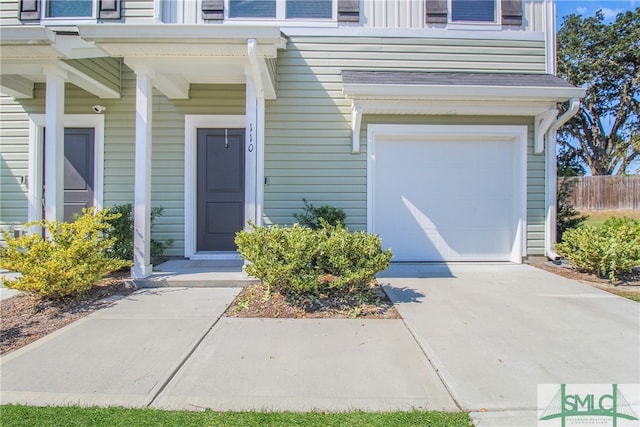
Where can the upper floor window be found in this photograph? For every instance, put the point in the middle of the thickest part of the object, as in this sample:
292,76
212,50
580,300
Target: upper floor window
473,10
276,9
69,9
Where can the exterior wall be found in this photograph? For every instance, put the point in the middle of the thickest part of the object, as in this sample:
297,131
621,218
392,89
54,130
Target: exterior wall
308,128
14,163
168,147
105,70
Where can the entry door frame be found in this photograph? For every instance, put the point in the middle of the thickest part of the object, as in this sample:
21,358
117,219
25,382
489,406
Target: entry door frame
36,156
192,124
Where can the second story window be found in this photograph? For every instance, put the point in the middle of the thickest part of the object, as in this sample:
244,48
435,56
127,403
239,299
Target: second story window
252,8
280,9
473,10
69,9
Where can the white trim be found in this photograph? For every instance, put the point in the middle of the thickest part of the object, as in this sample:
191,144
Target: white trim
433,33
36,140
549,22
461,92
192,123
518,134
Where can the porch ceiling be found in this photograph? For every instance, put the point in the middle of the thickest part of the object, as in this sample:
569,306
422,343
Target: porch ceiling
177,56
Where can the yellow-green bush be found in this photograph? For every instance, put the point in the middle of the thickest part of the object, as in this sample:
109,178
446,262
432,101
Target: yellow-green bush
301,260
70,260
607,250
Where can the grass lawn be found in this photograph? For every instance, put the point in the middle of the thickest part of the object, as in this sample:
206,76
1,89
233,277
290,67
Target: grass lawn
599,217
17,415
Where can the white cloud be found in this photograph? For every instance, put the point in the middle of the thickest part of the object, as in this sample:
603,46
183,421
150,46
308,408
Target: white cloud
610,13
581,10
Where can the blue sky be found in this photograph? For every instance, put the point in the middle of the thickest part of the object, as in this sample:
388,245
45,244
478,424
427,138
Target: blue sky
610,8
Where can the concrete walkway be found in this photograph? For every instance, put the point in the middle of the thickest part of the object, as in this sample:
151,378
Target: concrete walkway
481,335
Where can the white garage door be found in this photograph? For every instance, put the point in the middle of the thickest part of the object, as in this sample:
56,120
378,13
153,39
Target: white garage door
443,194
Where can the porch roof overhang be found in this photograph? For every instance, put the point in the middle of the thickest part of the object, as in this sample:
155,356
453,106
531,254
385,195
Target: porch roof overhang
177,56
29,53
492,94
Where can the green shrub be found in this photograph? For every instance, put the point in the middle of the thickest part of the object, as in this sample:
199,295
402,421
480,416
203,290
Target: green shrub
311,215
352,259
606,250
122,231
301,260
70,261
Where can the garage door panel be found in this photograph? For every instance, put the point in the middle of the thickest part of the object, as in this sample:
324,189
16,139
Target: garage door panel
446,200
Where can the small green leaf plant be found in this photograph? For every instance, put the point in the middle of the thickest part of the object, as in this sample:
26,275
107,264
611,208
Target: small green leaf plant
122,231
68,261
607,250
312,215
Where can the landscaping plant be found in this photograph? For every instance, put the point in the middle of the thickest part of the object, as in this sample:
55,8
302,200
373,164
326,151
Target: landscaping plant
607,250
303,260
122,231
70,260
311,216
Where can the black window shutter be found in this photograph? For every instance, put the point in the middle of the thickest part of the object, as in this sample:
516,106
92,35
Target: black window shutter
436,11
109,9
213,10
512,12
29,10
348,10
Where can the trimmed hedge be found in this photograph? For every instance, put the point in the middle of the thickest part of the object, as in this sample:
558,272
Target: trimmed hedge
607,250
302,260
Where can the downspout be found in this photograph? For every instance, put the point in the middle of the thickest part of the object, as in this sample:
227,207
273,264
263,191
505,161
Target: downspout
551,179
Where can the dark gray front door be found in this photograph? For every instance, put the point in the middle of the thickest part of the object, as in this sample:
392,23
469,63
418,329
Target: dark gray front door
220,188
79,152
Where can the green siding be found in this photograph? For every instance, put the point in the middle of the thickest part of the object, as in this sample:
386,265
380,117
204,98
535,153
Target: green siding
14,163
308,128
105,70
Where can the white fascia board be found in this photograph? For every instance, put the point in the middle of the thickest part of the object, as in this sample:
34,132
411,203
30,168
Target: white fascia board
461,92
28,35
196,33
450,107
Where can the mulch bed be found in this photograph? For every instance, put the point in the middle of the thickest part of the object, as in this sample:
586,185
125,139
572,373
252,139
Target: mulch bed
625,283
257,301
26,318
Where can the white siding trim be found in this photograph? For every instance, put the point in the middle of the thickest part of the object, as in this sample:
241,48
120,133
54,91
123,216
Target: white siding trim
517,133
36,145
192,123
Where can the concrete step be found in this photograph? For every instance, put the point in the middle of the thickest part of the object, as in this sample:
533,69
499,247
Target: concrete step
197,274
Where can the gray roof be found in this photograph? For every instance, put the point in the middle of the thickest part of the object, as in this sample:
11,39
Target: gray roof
452,79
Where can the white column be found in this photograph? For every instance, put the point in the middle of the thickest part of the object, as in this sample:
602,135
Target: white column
251,143
54,144
259,159
142,192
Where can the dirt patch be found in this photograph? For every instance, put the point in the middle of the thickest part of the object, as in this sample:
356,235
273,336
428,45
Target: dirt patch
257,301
627,285
26,318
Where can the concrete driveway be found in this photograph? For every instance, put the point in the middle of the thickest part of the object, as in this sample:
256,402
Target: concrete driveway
494,332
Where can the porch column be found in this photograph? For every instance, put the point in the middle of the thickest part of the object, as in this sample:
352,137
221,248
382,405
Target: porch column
54,144
142,191
251,181
255,115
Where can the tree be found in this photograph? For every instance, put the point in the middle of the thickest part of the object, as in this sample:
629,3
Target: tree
605,60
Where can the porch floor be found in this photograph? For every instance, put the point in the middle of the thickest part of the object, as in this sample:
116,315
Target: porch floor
191,273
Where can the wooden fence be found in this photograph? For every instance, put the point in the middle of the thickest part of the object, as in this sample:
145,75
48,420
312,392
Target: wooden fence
606,192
